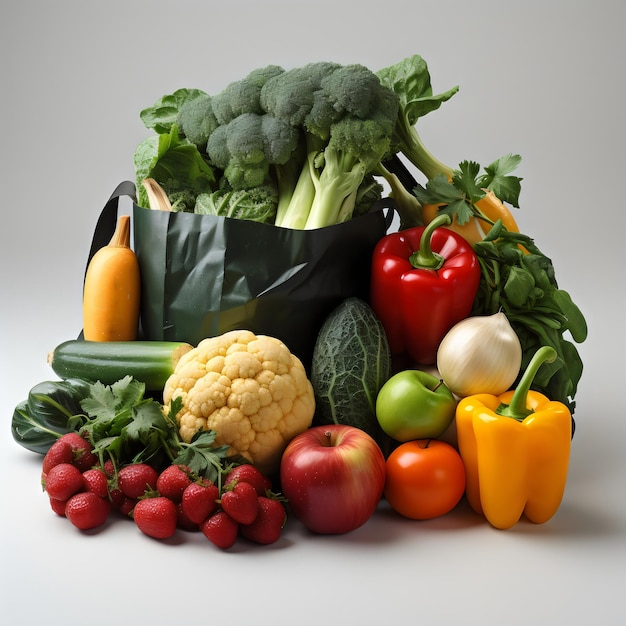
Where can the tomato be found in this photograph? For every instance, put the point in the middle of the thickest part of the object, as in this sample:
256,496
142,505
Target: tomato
425,478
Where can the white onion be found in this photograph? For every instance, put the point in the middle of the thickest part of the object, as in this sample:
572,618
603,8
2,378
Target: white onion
480,354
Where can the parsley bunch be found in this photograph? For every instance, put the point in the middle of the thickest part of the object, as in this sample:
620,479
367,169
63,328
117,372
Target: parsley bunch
125,426
467,185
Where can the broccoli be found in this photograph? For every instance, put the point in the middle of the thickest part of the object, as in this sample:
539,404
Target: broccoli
249,146
196,120
244,95
290,96
347,118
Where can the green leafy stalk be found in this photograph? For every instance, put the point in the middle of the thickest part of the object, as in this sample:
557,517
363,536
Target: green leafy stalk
518,279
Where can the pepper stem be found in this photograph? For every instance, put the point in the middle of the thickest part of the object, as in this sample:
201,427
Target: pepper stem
424,257
517,409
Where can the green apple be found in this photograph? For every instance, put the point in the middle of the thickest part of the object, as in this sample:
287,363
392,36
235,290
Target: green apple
414,404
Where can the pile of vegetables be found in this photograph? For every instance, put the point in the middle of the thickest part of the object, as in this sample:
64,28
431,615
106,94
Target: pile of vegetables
458,288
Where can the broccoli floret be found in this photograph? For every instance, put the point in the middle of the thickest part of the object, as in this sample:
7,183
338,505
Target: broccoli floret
346,90
244,95
257,204
196,120
290,96
249,146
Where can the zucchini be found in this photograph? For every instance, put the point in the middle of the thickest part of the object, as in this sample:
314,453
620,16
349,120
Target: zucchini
150,362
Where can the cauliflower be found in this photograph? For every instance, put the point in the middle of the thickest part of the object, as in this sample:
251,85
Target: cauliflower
249,389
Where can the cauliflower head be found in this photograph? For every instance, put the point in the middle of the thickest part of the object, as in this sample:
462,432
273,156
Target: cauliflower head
249,389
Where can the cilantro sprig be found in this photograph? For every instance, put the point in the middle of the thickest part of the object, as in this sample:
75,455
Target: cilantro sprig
125,426
459,194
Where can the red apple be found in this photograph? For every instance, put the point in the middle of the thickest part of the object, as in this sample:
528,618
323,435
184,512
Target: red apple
333,477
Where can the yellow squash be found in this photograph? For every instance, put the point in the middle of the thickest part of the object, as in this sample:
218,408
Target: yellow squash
475,229
111,293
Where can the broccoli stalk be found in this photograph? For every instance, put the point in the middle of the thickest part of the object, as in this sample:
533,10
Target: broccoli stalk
408,141
336,185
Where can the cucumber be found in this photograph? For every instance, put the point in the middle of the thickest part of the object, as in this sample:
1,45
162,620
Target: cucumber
150,362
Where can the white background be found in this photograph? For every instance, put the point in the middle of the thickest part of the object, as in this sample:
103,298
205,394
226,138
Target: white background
542,79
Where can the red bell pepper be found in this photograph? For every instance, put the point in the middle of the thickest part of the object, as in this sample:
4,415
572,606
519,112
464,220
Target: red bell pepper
424,280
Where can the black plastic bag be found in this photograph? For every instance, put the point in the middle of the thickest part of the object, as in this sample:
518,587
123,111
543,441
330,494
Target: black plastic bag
203,275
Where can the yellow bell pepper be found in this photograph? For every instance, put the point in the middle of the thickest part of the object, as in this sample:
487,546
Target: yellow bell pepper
515,448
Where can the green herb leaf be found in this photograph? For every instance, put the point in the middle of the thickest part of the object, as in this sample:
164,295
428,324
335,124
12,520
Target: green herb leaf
106,401
497,179
465,179
438,190
202,456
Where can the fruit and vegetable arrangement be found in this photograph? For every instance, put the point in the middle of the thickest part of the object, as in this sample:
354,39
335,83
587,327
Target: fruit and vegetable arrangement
455,377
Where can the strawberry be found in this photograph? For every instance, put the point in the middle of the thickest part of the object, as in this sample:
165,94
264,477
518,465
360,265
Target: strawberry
59,452
87,510
63,481
182,521
109,468
117,498
172,482
96,480
127,506
241,502
156,517
248,473
269,522
137,478
220,529
199,500
84,458
58,506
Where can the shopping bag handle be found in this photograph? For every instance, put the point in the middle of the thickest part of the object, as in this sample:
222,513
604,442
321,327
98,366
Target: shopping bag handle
105,226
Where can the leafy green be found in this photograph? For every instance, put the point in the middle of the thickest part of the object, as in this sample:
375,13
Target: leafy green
409,79
519,279
162,115
257,204
175,163
51,410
